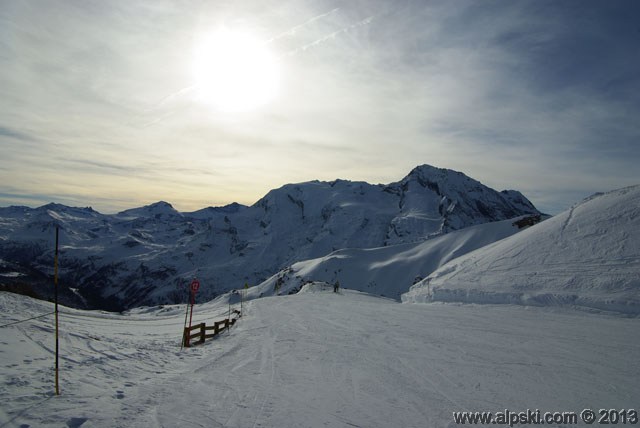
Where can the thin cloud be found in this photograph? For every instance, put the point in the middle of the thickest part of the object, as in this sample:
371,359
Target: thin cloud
533,95
16,135
292,31
329,36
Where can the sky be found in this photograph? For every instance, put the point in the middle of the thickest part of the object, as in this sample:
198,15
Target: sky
101,104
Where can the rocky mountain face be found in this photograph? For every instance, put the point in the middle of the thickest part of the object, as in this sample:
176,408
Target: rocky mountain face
148,255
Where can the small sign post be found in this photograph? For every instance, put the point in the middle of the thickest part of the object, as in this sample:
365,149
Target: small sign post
193,289
195,286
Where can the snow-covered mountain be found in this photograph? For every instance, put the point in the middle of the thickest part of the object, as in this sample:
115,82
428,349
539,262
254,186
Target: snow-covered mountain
587,256
147,255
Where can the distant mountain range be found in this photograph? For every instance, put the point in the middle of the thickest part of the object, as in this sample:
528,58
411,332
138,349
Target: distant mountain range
148,255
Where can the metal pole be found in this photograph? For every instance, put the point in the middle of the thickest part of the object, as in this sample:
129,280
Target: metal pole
55,282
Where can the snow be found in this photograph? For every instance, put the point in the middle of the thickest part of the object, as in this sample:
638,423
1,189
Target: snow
313,359
587,256
304,356
155,210
387,271
11,274
144,256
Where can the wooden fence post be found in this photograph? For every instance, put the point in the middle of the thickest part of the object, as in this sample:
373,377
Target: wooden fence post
202,332
186,336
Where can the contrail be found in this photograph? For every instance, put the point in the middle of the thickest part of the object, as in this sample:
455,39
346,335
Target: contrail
175,95
292,31
328,36
142,122
289,32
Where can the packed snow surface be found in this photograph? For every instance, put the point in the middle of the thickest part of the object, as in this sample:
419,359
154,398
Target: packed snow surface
588,256
314,359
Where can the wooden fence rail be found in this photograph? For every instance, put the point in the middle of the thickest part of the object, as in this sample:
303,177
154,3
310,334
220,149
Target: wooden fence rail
201,331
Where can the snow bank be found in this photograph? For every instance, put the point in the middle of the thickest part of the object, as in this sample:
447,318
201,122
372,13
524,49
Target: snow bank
588,256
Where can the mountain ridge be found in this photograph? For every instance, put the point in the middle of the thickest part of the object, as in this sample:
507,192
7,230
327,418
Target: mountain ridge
146,255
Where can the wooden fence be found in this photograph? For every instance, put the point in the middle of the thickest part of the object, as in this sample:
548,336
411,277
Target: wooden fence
201,332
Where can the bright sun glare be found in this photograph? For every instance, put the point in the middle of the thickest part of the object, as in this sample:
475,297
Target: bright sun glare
234,71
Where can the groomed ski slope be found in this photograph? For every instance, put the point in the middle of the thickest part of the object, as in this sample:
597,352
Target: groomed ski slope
314,359
587,256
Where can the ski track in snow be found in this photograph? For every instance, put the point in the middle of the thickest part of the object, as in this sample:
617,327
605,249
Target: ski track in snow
315,359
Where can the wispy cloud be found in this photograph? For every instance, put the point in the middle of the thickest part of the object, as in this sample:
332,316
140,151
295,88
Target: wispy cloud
292,31
533,95
329,36
16,134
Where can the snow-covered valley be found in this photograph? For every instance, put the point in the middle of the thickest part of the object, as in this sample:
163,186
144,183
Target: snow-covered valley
310,360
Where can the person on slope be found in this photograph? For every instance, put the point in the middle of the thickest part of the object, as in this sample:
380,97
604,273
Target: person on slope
336,286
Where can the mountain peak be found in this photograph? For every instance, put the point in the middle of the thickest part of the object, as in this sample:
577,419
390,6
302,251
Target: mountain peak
53,209
52,206
161,205
429,172
157,209
426,169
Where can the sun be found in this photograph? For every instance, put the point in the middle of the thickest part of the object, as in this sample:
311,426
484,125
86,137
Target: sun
234,71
